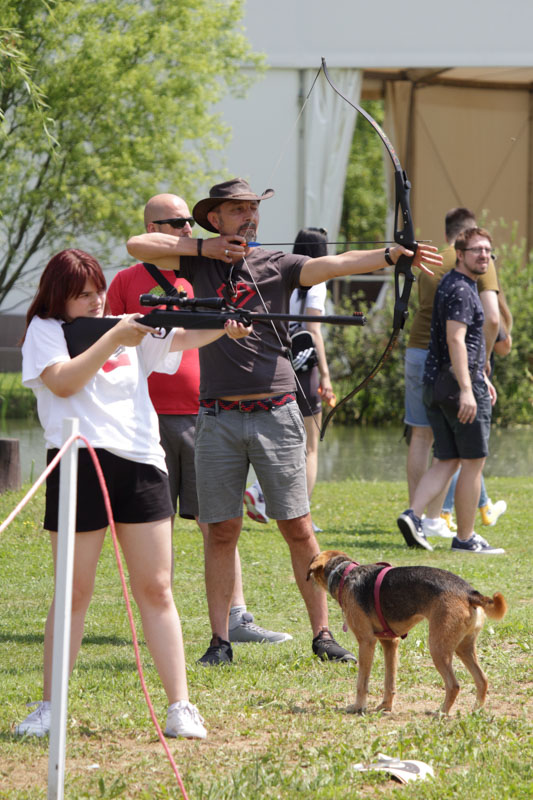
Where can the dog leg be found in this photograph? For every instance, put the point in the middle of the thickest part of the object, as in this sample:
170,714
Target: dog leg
366,656
466,650
390,653
442,658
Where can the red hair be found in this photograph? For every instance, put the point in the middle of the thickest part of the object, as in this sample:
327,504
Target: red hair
64,277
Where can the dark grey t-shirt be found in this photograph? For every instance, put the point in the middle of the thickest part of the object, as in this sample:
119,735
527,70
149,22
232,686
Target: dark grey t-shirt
255,364
456,299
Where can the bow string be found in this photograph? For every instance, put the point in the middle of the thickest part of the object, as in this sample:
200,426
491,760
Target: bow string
403,234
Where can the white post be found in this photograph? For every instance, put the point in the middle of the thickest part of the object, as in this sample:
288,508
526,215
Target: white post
68,473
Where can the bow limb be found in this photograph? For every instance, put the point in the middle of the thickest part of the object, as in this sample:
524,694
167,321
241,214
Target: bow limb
403,235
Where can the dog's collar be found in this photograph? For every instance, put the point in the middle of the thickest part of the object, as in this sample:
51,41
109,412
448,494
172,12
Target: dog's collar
347,566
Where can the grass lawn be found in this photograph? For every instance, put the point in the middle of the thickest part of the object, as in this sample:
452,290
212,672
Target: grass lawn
275,718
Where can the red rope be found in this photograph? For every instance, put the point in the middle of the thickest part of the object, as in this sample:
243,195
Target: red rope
51,466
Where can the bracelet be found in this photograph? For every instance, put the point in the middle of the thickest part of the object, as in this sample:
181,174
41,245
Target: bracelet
199,243
388,259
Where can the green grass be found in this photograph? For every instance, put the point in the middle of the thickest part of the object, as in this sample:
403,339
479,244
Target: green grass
275,719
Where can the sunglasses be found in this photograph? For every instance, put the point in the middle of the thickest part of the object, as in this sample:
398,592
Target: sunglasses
175,222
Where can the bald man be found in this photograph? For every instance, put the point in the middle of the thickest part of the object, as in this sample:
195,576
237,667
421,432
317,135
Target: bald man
175,397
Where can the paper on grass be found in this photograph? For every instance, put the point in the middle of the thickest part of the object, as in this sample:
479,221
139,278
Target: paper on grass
403,771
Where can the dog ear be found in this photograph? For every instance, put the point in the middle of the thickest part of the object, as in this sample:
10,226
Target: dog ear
312,566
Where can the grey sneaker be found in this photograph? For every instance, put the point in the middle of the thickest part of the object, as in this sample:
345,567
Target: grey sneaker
411,527
248,631
476,544
38,722
183,719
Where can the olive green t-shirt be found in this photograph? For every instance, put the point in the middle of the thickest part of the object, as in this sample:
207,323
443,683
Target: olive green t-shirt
427,286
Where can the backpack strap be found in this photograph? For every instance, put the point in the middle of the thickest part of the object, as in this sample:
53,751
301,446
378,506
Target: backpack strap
160,279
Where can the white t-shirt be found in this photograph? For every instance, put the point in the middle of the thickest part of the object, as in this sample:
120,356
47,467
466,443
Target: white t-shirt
114,408
315,298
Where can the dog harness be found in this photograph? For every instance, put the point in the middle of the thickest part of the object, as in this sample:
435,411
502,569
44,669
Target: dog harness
387,632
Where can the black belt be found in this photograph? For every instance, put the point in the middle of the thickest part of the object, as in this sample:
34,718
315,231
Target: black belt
247,406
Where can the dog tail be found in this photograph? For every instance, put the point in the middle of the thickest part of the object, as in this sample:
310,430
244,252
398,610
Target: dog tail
495,607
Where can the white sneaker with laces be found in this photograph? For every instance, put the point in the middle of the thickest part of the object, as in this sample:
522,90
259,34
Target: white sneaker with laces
38,722
436,527
183,719
476,544
255,504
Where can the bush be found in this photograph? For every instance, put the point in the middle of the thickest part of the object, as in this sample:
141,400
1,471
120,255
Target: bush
513,375
16,401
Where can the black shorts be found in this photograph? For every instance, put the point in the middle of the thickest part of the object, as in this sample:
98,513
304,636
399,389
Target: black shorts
137,492
310,402
454,439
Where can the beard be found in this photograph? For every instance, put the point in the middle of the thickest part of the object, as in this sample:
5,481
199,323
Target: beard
248,231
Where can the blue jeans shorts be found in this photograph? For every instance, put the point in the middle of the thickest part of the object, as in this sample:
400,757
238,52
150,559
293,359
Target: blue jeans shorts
415,410
227,442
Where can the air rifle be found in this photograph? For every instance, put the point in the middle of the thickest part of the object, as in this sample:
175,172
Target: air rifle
180,311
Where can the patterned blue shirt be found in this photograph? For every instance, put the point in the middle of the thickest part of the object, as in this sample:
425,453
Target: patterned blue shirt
456,299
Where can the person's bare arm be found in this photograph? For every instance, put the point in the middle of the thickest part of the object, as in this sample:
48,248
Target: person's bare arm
191,339
164,250
358,262
455,337
491,326
68,377
326,389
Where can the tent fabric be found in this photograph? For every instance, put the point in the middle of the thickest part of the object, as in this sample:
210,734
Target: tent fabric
329,125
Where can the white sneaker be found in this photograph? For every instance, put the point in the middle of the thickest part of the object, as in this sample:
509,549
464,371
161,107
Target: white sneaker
436,527
255,504
449,520
38,722
491,512
183,719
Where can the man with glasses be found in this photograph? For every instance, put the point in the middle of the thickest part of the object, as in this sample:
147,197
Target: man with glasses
461,431
248,408
175,397
419,433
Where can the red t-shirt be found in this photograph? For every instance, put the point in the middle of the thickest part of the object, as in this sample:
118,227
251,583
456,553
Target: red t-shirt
170,394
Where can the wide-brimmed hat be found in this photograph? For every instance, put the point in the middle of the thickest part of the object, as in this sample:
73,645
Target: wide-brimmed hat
236,189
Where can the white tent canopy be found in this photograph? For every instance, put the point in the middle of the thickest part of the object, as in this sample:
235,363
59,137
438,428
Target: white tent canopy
457,83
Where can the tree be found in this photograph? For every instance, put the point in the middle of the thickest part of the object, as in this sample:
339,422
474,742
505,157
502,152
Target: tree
365,203
130,87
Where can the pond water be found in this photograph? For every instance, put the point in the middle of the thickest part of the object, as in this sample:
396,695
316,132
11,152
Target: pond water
346,452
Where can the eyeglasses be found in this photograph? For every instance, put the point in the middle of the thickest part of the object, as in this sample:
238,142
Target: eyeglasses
175,222
478,250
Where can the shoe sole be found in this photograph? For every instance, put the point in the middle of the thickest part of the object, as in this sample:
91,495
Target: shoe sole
436,535
285,637
340,660
251,510
410,534
497,551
